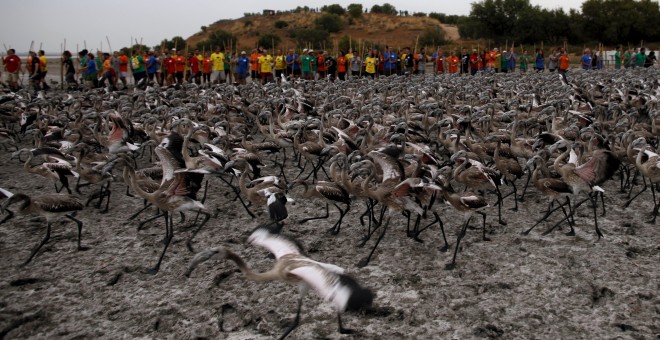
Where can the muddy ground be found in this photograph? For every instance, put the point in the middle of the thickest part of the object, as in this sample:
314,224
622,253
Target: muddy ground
511,287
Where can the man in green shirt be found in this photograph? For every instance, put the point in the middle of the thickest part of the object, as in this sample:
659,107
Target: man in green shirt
640,57
305,65
312,62
627,59
617,58
137,65
504,64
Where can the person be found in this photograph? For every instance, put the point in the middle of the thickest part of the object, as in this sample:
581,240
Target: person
381,62
650,60
491,60
465,61
195,74
371,65
320,65
525,60
312,63
331,67
234,66
539,61
640,58
35,73
564,64
595,61
242,65
69,70
627,59
342,64
617,58
108,73
453,62
137,65
586,59
421,61
356,65
408,61
305,65
254,64
504,64
12,66
554,60
218,66
266,67
43,61
228,75
114,60
206,68
170,66
123,68
180,65
389,61
511,59
152,66
474,62
90,73
280,65
438,60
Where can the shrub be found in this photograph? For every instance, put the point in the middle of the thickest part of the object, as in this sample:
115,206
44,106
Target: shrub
281,24
329,22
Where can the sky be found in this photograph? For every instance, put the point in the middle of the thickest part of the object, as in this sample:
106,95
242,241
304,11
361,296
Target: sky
48,23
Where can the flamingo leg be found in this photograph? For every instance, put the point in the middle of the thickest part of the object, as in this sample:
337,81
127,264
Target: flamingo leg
35,250
365,262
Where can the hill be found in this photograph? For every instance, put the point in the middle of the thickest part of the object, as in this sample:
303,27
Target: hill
398,31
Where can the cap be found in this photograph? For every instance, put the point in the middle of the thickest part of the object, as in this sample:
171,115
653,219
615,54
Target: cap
174,49
243,52
474,50
304,50
310,51
496,49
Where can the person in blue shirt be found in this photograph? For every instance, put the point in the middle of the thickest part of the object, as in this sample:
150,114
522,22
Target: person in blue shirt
242,65
152,65
539,60
90,73
390,61
511,59
586,60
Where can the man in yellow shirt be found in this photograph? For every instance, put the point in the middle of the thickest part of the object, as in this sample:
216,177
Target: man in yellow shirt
43,61
218,66
280,65
266,67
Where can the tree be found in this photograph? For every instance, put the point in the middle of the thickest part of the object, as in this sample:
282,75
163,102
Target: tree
334,9
355,10
615,21
204,28
177,42
384,9
433,37
219,38
269,40
314,37
329,22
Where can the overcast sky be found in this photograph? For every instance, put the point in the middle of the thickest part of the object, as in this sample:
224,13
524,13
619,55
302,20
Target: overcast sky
48,22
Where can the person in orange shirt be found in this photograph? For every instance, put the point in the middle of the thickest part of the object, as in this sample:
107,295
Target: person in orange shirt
206,68
341,65
108,73
254,64
180,67
492,60
123,68
564,64
453,62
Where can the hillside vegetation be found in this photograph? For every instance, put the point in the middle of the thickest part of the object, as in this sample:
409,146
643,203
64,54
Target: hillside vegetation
370,28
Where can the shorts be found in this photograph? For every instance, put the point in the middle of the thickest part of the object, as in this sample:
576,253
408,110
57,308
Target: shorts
123,74
218,75
278,73
12,77
179,76
306,74
266,75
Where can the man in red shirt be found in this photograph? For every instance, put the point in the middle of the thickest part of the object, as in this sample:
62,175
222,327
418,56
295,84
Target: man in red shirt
12,65
170,65
195,74
474,62
180,67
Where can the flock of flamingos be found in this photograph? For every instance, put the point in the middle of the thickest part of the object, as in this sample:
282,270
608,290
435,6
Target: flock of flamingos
390,151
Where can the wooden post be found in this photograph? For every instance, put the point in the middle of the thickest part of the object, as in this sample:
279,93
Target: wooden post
62,66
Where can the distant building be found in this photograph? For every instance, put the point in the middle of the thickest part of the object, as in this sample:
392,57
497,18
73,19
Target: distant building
269,12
